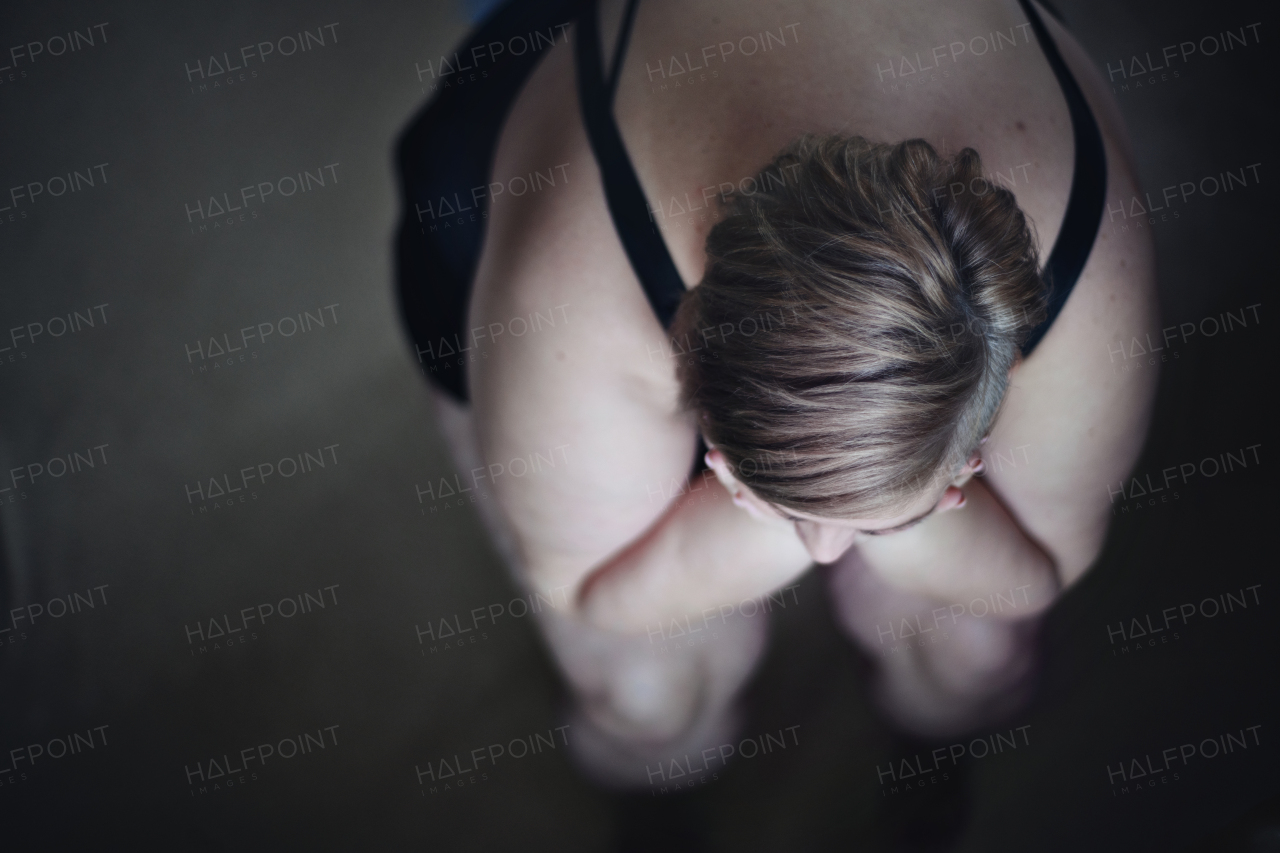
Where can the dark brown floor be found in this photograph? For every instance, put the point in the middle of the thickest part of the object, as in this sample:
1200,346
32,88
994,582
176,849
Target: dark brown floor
357,663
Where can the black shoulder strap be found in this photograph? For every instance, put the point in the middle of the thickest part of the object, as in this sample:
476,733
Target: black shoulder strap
620,47
648,253
1088,187
639,234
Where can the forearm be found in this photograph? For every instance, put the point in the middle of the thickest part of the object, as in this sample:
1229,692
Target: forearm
703,552
976,552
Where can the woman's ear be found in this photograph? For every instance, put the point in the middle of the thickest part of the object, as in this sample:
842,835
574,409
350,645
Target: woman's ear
952,498
712,457
974,466
716,462
741,495
720,467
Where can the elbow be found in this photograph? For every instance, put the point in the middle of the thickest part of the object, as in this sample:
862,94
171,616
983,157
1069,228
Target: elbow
1072,560
554,586
1037,588
582,594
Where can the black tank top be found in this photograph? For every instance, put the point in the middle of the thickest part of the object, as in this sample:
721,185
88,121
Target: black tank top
446,155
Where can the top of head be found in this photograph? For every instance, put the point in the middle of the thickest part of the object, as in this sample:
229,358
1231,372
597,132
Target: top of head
859,315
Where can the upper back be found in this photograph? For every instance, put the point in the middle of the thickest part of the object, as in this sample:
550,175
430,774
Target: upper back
709,92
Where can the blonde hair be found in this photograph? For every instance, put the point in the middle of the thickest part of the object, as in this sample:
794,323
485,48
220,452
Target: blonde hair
888,292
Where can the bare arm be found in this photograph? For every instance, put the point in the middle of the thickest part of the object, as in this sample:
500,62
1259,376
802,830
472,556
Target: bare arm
976,551
1068,428
602,523
1070,424
702,552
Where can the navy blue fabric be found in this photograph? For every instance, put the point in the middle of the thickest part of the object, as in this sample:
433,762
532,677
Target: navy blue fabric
445,153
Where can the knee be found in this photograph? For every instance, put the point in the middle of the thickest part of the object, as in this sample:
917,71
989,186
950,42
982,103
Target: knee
986,651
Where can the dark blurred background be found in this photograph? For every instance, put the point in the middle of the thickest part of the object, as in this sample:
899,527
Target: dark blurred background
126,411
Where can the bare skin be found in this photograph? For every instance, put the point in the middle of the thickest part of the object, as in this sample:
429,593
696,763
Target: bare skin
609,526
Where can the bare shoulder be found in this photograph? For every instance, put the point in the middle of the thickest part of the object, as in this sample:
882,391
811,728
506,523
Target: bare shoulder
598,386
1072,423
590,381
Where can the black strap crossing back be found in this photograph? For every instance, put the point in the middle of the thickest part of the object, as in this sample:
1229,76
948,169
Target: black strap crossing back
648,252
1088,187
448,151
637,230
